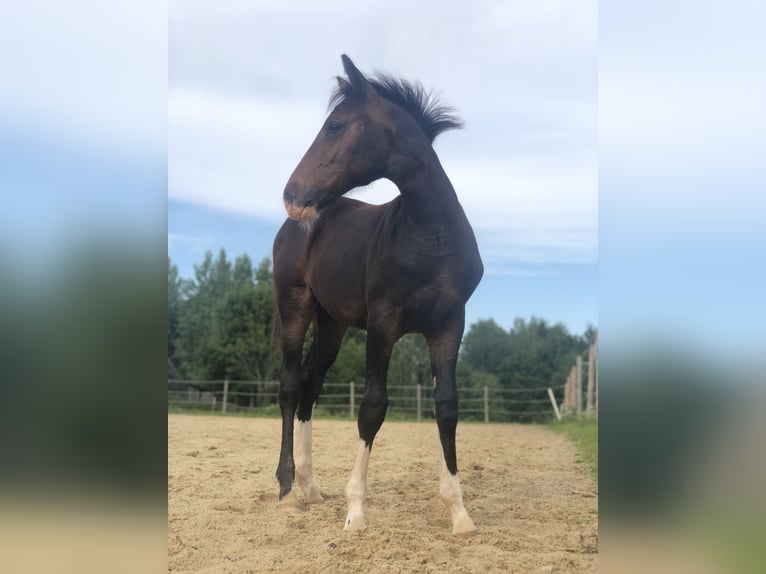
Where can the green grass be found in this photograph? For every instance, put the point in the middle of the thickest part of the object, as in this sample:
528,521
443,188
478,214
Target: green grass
584,435
733,536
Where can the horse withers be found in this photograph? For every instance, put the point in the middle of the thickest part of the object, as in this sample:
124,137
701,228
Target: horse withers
408,266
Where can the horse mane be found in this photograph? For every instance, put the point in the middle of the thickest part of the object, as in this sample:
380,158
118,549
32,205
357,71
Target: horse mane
432,116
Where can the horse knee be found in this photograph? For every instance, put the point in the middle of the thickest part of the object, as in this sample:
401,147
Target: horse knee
372,412
312,387
305,410
374,404
288,394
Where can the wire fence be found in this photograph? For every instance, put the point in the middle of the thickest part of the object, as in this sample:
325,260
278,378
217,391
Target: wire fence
342,399
577,395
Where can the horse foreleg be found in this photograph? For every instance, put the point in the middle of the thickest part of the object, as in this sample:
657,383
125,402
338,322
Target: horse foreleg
294,325
288,403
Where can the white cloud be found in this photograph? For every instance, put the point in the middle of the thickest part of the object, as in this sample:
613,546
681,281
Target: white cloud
245,119
232,153
235,154
78,68
524,194
247,98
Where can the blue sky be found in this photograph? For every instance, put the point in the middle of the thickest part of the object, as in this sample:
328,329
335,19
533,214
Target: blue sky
682,177
670,227
248,89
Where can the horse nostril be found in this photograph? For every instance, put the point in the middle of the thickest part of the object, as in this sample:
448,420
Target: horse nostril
308,203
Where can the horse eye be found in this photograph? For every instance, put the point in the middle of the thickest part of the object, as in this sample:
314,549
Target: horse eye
334,127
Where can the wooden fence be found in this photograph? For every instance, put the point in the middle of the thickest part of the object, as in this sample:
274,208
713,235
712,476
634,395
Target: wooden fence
342,399
416,401
573,387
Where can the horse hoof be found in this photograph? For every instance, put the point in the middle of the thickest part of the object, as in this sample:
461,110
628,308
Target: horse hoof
355,523
288,503
312,496
464,527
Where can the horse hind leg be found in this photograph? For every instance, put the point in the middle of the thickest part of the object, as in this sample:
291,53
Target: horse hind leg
356,489
443,351
372,412
445,395
328,335
452,495
304,473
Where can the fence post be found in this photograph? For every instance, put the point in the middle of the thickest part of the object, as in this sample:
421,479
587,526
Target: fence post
589,399
225,395
595,371
578,384
553,402
212,404
572,389
419,400
351,399
486,404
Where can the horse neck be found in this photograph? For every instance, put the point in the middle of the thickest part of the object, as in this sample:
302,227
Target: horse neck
427,193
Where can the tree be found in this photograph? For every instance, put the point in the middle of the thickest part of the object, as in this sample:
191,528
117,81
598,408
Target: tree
220,325
246,323
484,346
590,334
174,307
225,323
532,355
538,355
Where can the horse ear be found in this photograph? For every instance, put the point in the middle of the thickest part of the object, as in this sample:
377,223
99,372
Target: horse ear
343,84
359,83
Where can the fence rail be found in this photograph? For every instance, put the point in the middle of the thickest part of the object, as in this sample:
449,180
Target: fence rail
484,403
489,404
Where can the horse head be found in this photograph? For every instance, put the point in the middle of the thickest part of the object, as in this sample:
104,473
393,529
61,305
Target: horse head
349,151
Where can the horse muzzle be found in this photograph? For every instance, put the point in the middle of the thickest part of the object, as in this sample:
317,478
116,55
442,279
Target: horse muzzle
301,212
297,205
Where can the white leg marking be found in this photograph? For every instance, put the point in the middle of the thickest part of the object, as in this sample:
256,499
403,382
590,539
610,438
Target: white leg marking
304,473
452,495
288,503
356,489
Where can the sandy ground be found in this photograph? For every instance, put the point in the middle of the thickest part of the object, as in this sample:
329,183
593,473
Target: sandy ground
534,505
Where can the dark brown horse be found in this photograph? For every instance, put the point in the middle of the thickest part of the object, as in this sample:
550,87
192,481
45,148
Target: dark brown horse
407,266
